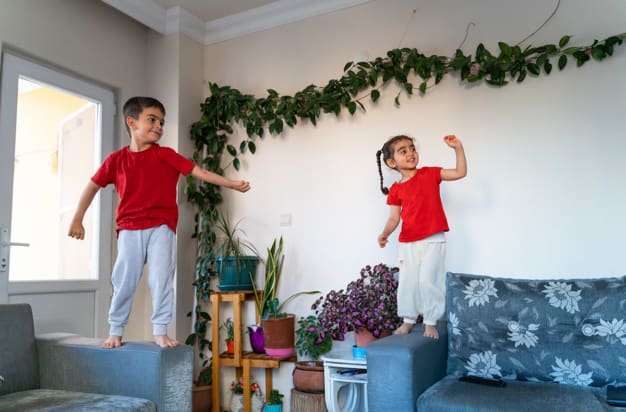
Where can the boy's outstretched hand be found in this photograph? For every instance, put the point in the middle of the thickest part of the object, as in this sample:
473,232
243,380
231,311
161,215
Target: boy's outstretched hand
452,141
240,185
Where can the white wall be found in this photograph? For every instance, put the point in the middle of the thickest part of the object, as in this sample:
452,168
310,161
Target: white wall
544,194
95,41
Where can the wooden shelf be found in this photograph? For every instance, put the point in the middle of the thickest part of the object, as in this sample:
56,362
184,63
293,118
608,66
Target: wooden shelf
240,360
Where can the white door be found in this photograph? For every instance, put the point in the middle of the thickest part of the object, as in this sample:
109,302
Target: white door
55,130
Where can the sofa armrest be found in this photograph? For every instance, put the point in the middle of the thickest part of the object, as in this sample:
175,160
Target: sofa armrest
401,367
139,369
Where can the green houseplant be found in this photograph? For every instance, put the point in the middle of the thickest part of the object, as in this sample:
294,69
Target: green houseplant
274,401
278,326
313,341
235,266
229,327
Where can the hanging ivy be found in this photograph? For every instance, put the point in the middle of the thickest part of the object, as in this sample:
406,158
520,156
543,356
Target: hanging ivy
413,73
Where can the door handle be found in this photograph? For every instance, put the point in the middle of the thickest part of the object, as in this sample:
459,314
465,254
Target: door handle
5,243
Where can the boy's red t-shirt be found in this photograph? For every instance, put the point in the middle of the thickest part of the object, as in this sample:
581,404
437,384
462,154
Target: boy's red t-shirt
421,208
146,185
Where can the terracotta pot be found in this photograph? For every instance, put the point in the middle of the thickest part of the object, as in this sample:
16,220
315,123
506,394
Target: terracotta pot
279,336
309,376
230,346
201,400
363,337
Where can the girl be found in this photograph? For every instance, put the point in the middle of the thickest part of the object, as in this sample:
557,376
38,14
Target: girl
415,199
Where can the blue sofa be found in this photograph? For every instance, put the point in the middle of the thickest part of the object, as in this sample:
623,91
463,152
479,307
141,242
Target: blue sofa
66,372
556,344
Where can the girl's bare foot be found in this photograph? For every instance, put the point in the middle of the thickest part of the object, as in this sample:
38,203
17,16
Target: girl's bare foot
165,342
430,331
112,341
404,329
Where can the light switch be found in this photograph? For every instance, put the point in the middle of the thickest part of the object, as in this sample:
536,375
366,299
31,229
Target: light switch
285,219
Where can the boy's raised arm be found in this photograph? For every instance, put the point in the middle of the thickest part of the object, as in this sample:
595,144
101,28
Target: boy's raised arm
215,179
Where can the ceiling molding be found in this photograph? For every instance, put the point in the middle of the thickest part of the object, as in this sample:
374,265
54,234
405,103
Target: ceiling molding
179,20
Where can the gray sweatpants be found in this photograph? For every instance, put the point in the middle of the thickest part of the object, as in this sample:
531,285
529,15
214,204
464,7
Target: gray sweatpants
156,248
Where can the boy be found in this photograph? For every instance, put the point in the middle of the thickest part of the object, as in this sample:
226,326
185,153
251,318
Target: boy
145,176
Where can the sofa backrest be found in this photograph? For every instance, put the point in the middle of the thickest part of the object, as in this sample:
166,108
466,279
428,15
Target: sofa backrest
19,369
569,331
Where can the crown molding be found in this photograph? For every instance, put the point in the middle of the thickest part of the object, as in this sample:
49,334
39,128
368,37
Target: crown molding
179,20
271,15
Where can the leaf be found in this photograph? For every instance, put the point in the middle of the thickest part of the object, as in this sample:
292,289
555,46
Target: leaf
547,67
533,69
231,150
423,86
375,94
564,40
351,107
242,146
562,62
236,163
409,88
504,48
252,146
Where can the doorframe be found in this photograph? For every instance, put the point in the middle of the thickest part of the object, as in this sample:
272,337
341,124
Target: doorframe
15,65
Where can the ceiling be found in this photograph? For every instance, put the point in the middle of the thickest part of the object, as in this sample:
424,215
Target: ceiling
212,21
213,9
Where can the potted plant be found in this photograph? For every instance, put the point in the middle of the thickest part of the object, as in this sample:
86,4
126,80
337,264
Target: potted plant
274,401
368,304
229,327
236,400
201,393
312,341
278,327
236,259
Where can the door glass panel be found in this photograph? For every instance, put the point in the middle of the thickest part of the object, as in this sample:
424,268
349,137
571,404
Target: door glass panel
56,132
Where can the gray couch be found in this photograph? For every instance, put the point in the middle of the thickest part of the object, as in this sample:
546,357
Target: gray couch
557,344
66,372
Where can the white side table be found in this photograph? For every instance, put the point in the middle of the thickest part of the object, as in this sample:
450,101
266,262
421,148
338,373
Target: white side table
345,379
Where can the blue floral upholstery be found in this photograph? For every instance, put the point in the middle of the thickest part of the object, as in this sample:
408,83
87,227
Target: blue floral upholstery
569,331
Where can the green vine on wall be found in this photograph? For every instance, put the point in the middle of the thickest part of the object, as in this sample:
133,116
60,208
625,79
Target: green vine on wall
412,71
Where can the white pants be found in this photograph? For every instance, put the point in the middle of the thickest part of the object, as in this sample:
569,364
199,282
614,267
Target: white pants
156,248
422,281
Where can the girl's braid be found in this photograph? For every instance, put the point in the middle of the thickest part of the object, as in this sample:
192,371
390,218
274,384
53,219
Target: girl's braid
380,173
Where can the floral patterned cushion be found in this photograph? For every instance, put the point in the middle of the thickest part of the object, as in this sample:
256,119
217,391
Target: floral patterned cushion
569,331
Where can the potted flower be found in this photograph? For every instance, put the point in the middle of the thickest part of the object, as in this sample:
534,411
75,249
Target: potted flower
312,341
278,326
274,401
368,304
236,400
229,327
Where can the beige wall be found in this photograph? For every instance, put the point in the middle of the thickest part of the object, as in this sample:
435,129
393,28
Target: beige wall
543,195
96,42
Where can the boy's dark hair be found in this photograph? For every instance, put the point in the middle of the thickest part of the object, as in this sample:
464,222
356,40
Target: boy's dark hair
135,105
387,152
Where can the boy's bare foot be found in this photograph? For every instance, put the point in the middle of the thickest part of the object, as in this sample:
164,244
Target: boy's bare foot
404,329
165,342
112,341
430,331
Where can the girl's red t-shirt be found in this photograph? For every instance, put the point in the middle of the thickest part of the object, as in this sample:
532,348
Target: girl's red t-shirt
146,184
420,202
